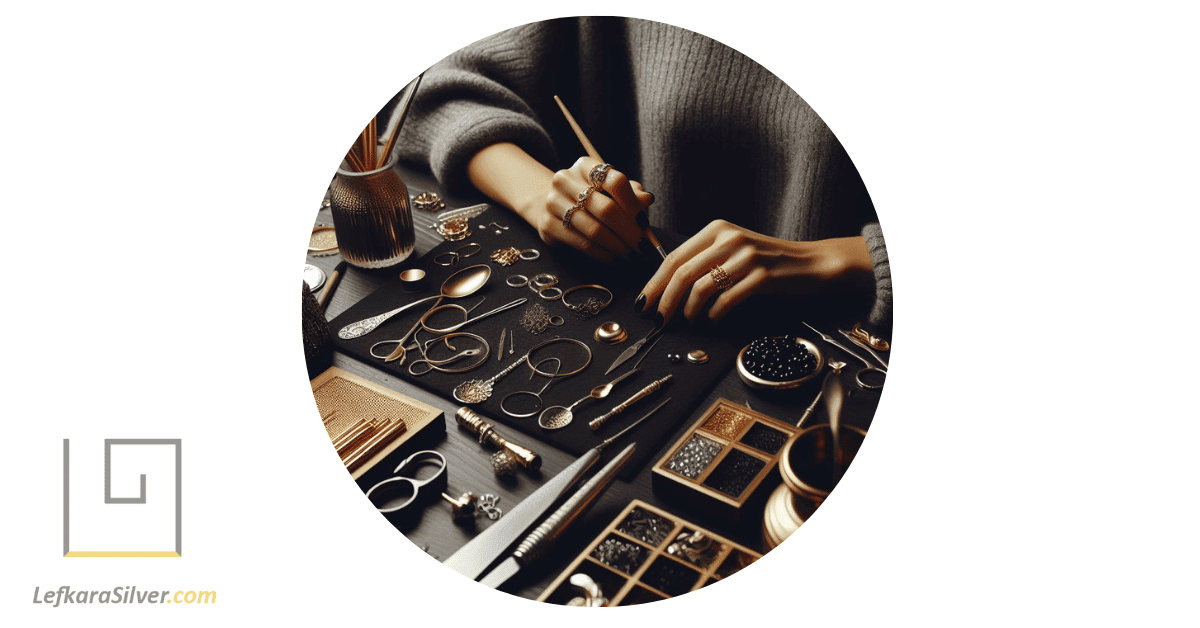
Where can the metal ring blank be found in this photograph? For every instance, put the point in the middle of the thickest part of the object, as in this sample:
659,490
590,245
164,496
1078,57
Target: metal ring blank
521,279
533,254
558,293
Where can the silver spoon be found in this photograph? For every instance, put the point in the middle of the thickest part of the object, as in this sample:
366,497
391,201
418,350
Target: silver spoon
556,417
461,284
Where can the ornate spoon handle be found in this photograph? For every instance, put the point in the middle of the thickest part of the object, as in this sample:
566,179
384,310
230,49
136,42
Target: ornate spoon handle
367,325
599,422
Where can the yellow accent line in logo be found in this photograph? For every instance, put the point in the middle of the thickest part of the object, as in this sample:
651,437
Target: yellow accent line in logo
122,555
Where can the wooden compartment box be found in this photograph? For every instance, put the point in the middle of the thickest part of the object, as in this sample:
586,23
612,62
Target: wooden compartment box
724,465
631,561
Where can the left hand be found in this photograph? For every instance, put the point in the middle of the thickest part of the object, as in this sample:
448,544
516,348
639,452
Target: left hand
756,264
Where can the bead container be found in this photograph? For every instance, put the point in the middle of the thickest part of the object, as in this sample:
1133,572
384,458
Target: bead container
632,562
724,464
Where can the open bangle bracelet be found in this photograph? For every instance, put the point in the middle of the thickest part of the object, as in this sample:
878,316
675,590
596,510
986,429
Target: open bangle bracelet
592,306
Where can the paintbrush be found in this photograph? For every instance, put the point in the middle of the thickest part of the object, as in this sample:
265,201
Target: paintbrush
594,154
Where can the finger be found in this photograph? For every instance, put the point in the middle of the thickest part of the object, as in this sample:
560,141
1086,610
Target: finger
617,185
740,291
569,186
610,211
552,232
646,198
558,235
617,219
737,267
694,246
688,273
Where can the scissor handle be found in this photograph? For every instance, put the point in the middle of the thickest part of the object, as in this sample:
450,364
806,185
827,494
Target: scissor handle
418,458
858,377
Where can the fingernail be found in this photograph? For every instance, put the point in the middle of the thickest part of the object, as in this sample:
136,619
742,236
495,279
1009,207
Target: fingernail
651,197
659,321
645,247
643,220
640,303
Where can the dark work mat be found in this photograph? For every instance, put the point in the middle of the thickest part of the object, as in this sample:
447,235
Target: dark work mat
690,383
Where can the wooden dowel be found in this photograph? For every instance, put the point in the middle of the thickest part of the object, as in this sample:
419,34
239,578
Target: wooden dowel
587,145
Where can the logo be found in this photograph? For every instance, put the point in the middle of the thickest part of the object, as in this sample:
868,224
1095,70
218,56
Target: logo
148,525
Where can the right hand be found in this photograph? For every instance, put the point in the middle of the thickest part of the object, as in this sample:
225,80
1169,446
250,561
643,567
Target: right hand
609,225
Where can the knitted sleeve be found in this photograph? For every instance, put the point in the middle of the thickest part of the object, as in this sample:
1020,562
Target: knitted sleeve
475,98
881,313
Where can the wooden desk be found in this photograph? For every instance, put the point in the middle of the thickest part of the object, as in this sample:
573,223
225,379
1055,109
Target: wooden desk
469,464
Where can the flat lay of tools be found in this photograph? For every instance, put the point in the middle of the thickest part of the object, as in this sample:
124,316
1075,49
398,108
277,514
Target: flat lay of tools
494,397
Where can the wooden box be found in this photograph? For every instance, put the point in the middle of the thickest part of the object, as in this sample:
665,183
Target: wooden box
632,562
724,465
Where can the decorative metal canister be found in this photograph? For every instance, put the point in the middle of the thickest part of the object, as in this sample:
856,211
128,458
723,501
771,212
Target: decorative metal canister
371,217
807,467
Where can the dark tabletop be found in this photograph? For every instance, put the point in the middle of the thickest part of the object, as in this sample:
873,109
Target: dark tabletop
469,463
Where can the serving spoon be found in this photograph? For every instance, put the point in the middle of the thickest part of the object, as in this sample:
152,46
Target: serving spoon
556,417
461,284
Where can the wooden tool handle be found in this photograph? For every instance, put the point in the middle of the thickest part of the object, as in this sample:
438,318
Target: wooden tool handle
599,422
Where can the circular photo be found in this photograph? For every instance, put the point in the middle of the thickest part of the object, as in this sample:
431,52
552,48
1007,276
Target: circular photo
596,311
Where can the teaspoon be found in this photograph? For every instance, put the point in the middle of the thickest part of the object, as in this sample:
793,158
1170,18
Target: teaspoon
556,417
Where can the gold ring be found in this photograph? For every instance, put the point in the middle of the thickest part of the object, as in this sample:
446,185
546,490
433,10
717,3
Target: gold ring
599,174
579,203
720,278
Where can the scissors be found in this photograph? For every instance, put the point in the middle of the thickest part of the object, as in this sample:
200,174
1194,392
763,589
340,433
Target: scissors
457,255
873,381
408,489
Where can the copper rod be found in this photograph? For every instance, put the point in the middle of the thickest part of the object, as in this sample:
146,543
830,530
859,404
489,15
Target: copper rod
354,162
346,438
385,436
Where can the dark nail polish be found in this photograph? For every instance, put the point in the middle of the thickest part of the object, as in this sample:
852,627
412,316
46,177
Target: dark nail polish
643,220
659,321
651,197
640,303
645,247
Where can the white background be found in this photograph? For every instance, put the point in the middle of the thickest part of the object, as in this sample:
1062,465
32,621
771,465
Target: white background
100,527
1034,167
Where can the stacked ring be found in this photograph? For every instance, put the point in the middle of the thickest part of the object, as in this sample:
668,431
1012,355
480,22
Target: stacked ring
579,203
720,278
599,174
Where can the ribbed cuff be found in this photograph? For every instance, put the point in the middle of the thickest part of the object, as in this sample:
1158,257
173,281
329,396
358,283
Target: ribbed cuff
881,313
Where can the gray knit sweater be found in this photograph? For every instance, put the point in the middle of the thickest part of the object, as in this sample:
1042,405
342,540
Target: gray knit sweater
667,106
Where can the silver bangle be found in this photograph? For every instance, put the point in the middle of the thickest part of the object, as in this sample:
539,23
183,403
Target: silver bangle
592,306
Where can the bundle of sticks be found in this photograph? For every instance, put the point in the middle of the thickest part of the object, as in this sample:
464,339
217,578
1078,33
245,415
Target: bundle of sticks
364,154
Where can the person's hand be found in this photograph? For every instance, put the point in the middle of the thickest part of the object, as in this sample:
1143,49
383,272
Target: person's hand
754,264
607,225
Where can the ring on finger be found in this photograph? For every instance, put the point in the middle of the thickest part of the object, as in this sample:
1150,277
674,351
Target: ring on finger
599,174
579,203
720,278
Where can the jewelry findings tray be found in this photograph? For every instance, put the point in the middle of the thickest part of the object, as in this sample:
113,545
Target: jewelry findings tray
632,559
724,465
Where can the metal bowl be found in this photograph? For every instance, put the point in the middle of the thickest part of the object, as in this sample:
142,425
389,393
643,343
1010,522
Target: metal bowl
757,382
